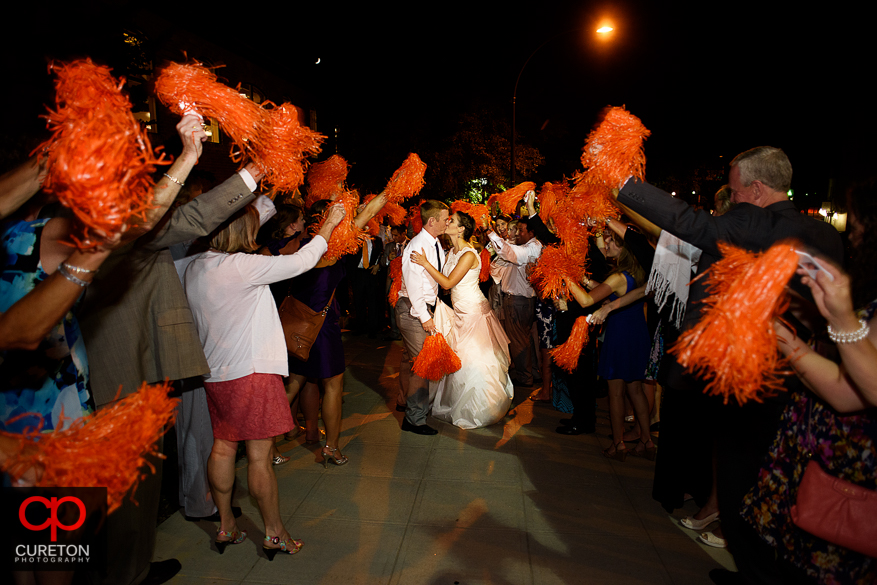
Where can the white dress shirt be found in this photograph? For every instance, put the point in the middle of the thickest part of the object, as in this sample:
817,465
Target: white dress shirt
417,284
514,280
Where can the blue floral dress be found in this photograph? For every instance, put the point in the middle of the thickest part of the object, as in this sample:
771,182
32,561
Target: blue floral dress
53,379
845,447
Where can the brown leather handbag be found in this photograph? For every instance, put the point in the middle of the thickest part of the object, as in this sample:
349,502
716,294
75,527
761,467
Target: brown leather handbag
301,325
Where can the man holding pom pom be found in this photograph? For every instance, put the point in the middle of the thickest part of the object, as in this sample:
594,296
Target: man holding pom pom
414,311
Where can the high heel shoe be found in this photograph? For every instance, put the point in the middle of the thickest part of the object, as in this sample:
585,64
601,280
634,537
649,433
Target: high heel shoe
649,452
617,454
330,453
234,537
286,545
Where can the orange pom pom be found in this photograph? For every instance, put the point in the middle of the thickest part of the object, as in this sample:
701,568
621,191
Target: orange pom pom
326,179
407,181
395,280
436,359
100,161
415,219
549,197
104,449
553,266
285,144
485,266
567,355
614,150
733,346
396,212
346,238
508,200
194,88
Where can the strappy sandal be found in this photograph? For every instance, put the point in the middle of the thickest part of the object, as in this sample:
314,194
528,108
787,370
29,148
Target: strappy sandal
333,454
234,537
616,453
648,452
285,545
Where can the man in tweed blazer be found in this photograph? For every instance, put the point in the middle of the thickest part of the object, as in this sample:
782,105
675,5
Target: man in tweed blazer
137,327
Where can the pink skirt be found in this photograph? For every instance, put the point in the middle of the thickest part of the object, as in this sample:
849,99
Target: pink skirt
248,408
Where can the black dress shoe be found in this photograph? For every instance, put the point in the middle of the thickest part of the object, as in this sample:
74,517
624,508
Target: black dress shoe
574,430
418,429
567,422
725,577
162,572
236,510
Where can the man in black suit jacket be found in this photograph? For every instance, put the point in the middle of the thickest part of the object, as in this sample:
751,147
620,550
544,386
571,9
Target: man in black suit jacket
759,179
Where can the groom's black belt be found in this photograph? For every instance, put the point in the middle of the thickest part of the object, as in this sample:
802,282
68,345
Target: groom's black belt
431,308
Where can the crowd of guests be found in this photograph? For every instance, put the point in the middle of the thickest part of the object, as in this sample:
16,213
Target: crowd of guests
191,294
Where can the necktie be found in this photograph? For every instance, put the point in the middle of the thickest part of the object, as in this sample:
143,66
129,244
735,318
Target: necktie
438,257
365,254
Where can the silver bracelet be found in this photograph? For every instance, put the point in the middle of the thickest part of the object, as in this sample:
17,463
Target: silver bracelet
66,274
175,180
77,269
852,337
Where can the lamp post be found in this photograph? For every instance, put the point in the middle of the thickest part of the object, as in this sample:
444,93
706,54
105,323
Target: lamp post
603,30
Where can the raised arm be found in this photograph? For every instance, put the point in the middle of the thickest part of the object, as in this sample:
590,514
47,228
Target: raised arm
168,187
615,283
467,261
852,385
370,210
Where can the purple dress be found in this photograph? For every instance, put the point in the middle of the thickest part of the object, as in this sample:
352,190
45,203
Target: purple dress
626,344
314,288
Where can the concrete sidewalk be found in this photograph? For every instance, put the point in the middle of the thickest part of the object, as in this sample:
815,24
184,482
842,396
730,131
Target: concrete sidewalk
513,504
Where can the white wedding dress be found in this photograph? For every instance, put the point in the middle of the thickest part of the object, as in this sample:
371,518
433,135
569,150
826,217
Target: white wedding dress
480,393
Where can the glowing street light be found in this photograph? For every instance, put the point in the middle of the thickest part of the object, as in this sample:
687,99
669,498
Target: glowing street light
603,30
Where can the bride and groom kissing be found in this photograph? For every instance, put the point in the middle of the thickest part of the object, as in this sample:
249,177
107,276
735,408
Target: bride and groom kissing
480,393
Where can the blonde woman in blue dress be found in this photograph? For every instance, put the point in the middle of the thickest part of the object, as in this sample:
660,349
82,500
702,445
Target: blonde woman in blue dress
480,393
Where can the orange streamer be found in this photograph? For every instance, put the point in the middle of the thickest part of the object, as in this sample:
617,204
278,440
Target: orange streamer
106,449
733,346
407,181
553,266
436,359
326,179
396,212
508,200
194,87
284,147
567,355
614,150
395,280
346,238
100,161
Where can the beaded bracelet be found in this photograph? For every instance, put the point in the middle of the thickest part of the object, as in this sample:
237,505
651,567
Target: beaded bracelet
77,269
66,274
851,337
175,180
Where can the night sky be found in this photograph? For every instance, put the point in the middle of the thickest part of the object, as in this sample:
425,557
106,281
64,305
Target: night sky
708,79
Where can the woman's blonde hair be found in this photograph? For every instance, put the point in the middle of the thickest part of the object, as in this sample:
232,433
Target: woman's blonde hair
237,233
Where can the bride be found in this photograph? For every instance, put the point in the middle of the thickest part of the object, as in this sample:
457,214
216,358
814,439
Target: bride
480,393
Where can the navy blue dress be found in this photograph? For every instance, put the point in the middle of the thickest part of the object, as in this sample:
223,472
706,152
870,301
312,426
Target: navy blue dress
626,344
314,288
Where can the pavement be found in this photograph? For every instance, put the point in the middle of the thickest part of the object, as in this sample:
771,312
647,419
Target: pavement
511,504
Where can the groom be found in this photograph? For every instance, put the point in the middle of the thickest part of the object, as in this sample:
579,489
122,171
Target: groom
414,310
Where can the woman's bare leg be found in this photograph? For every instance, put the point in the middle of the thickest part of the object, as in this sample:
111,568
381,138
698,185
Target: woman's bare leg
220,475
263,485
309,402
616,413
332,388
641,411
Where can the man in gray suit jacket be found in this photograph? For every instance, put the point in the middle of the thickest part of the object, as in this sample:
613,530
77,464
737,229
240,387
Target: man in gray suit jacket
137,328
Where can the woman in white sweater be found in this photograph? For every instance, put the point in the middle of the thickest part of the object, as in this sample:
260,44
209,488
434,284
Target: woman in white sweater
240,330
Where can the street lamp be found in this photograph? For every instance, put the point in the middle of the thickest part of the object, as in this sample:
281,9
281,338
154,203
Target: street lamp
603,31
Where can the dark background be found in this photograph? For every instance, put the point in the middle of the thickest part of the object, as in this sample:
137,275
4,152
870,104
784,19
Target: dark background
708,79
